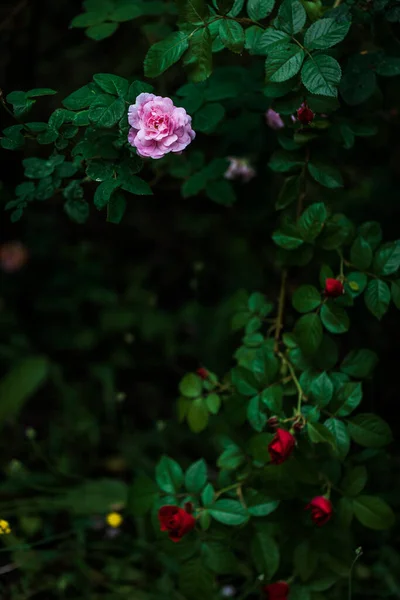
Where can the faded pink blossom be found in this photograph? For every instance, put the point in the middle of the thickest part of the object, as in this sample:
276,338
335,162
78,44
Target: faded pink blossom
239,168
13,256
158,127
274,119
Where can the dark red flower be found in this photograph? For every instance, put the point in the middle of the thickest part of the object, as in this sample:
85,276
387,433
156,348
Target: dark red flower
333,288
321,510
277,591
203,373
304,114
281,446
176,521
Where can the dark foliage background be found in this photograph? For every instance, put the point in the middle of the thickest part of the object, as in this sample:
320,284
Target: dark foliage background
122,312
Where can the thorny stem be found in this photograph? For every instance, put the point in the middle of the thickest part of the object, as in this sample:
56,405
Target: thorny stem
296,382
302,194
358,554
281,307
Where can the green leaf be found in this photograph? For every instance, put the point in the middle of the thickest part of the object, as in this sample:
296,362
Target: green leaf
312,221
196,477
371,231
283,62
106,111
306,298
322,390
271,38
197,416
287,241
282,161
104,192
369,430
305,560
207,495
13,139
259,9
195,581
326,175
191,386
253,36
325,33
207,118
192,11
164,54
101,31
308,332
291,16
255,415
221,192
355,480
361,253
321,75
319,433
272,398
356,283
373,512
231,458
77,210
21,103
341,436
40,92
37,168
20,383
334,318
232,35
265,553
259,505
358,84
213,402
81,98
198,59
387,259
228,512
359,363
377,297
141,495
136,185
289,192
91,17
99,170
112,84
349,397
116,208
169,475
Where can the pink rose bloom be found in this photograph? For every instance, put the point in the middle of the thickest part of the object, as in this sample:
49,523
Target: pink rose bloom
13,256
239,168
274,119
158,127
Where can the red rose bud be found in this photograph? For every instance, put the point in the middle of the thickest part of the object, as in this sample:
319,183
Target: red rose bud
203,373
277,591
304,114
281,446
273,421
333,288
298,426
321,510
188,506
176,521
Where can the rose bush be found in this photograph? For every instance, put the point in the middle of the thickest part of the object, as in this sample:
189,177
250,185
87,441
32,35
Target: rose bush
276,95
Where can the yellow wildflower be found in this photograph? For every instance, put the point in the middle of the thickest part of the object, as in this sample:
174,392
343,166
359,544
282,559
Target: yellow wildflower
114,519
4,527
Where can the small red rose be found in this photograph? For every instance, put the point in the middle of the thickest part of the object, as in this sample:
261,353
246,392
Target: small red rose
277,591
305,115
203,373
321,510
281,446
333,288
176,521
